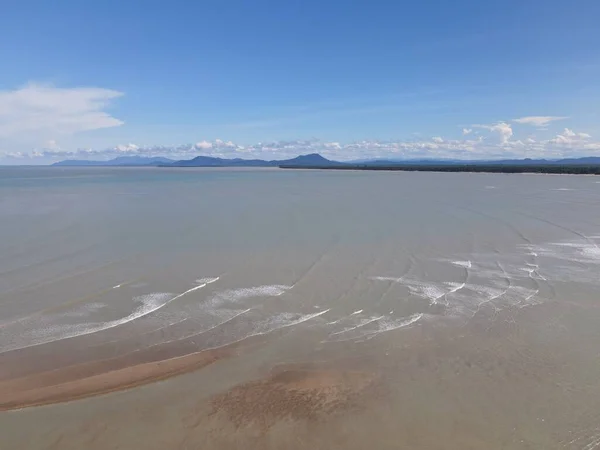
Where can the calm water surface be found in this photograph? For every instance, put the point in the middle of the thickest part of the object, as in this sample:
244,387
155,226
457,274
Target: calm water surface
460,310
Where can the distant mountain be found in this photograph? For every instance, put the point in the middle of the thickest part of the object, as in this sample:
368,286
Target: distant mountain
120,161
314,159
210,161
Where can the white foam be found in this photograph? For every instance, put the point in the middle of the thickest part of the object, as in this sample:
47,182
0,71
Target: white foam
533,294
283,320
236,295
394,279
455,287
428,291
333,322
203,283
382,325
231,316
52,333
465,264
390,325
155,330
150,303
580,252
591,251
117,286
356,312
362,323
209,280
490,293
275,323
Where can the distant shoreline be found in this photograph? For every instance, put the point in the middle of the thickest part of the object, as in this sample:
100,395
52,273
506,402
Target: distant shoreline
474,168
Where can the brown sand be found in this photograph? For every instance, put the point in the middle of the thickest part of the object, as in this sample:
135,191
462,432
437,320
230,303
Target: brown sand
14,396
101,377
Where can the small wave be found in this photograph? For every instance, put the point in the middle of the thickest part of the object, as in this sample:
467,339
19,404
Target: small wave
455,287
390,325
429,291
203,283
465,264
228,316
209,280
394,279
381,325
150,303
580,252
490,293
270,325
280,321
51,333
236,295
362,323
592,252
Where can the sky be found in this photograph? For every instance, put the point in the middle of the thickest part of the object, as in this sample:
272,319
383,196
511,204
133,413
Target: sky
351,80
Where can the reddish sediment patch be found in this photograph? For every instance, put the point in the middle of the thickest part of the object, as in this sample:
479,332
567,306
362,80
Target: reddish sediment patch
296,393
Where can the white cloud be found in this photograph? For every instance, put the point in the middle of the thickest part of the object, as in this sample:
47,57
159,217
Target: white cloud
570,138
466,131
538,121
203,145
127,148
38,113
502,129
499,143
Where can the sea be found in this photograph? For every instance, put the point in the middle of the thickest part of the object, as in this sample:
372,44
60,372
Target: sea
341,309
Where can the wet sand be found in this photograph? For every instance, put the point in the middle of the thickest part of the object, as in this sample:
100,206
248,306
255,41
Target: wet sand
101,377
498,387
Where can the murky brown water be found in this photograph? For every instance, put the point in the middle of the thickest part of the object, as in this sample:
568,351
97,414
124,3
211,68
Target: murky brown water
159,308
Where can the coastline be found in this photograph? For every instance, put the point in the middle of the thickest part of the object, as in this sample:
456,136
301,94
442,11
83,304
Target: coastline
472,168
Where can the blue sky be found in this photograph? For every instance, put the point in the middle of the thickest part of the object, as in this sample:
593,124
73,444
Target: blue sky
451,79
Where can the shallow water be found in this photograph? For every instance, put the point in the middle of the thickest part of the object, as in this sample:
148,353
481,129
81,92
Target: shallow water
460,310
